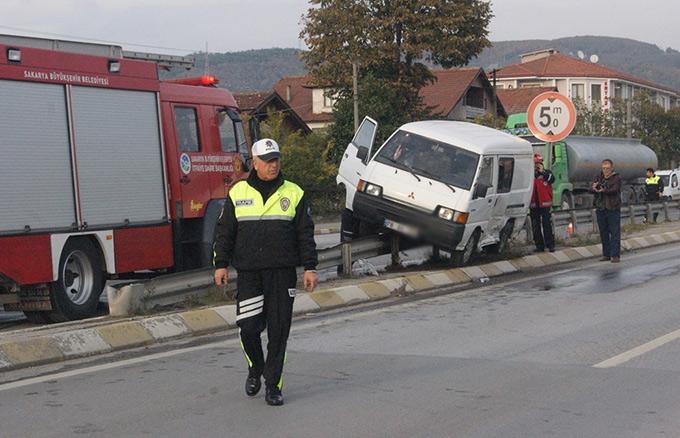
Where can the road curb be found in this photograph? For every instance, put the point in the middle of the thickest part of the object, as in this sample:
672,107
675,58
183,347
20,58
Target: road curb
123,334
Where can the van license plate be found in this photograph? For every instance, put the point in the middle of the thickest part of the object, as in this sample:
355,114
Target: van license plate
407,230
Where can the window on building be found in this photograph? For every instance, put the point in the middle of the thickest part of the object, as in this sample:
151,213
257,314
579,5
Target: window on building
618,91
596,94
187,129
577,91
661,100
506,167
328,99
475,97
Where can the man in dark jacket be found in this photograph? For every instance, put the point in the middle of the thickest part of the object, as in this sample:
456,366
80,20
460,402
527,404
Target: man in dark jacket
653,189
607,189
541,204
265,231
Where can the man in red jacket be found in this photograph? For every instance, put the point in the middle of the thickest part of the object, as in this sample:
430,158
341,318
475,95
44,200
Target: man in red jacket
541,203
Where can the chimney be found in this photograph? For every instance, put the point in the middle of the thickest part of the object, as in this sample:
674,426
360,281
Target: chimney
287,93
538,54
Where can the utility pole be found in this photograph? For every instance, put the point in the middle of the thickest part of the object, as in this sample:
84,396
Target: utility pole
355,93
629,117
495,100
207,62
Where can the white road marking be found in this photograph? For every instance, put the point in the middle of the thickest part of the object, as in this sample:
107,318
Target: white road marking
638,351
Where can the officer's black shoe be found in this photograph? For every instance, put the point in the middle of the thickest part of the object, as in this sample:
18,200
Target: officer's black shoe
273,396
253,385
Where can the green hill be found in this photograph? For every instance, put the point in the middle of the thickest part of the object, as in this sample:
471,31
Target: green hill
255,70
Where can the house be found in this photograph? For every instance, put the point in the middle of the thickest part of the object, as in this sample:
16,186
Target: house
578,79
259,105
517,100
313,104
461,94
457,94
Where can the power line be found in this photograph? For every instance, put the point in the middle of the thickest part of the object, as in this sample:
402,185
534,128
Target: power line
96,40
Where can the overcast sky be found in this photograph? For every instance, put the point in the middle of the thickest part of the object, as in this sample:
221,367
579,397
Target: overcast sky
231,25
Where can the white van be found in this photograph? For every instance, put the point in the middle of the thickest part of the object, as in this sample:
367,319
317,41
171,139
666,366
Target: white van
456,185
671,184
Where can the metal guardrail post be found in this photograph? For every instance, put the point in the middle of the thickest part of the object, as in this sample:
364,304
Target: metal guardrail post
527,229
649,213
346,259
572,216
394,248
435,253
631,213
666,213
593,219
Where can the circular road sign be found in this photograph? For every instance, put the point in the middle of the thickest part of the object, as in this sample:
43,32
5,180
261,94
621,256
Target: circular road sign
551,116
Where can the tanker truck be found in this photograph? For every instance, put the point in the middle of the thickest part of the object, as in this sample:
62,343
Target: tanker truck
576,160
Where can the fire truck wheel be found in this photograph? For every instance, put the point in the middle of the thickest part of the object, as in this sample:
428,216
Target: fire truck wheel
76,293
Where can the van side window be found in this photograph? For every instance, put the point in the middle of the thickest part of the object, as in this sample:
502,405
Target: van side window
486,172
187,129
227,131
506,167
674,180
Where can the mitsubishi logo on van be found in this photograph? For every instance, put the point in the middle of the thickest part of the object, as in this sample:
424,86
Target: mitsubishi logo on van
412,195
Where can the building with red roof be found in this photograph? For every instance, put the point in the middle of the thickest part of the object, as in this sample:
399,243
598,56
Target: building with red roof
579,79
457,94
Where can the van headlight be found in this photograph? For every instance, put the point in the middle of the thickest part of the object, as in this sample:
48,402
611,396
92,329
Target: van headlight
373,189
449,214
445,213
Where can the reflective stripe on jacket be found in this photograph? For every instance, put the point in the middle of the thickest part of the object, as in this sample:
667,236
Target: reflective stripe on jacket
252,234
653,187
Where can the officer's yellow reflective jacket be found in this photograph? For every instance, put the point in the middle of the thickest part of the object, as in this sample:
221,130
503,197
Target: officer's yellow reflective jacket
255,233
654,188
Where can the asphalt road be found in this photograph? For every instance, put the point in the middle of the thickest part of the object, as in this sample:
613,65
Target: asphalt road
592,350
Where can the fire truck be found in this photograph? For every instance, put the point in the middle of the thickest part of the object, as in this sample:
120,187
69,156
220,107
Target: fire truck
108,172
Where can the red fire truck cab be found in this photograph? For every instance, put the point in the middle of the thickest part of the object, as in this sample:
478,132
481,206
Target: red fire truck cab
107,171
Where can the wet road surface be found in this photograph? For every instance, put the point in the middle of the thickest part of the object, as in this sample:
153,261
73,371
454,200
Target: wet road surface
531,357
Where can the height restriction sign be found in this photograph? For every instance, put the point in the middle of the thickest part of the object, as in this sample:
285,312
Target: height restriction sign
551,116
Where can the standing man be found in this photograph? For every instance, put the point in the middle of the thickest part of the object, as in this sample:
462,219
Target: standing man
607,188
265,231
541,203
653,188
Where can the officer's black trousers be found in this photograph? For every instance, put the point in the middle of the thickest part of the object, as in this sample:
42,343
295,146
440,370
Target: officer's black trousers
263,300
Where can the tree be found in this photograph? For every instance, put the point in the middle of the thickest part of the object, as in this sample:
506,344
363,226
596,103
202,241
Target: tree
305,160
392,40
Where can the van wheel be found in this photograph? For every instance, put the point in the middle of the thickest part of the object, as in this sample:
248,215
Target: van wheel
76,292
503,239
462,258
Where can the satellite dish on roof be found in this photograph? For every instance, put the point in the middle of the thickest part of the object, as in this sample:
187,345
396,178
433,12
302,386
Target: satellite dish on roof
594,59
581,54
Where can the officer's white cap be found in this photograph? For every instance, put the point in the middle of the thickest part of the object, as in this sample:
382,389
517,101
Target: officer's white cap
266,149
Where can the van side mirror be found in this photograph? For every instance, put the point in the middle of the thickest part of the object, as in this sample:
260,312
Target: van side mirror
362,153
480,191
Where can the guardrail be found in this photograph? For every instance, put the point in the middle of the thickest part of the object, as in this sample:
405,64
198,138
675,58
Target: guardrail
176,288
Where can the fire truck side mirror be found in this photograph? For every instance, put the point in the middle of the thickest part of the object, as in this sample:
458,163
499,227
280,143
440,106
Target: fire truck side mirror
254,128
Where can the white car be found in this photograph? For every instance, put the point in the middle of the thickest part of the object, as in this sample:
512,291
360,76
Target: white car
671,185
456,185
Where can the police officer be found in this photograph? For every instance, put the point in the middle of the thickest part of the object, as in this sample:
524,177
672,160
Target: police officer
653,188
539,209
265,231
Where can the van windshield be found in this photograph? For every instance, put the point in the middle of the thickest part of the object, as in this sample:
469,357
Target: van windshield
430,158
665,180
